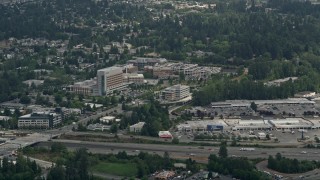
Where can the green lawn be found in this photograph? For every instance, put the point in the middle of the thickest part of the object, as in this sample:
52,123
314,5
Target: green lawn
120,169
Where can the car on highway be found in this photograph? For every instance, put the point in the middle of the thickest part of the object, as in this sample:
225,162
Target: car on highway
303,152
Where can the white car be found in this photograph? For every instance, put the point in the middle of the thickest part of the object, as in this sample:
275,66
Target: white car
303,152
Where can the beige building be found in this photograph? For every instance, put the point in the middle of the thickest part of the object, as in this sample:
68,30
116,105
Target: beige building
133,78
86,87
110,79
175,93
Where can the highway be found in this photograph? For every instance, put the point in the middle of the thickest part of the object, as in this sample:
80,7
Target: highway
183,152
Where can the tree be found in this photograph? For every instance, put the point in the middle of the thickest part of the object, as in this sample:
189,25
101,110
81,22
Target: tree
253,106
25,99
57,172
166,160
58,98
223,151
175,141
114,128
114,100
58,147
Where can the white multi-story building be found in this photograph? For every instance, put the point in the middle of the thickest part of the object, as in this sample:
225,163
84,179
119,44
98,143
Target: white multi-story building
39,120
176,92
110,79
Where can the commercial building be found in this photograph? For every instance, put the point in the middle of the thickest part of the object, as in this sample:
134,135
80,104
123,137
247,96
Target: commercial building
39,120
87,87
175,93
165,135
98,127
162,72
107,119
202,126
110,79
291,123
136,128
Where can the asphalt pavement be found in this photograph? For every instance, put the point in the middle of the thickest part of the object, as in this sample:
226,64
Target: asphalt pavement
199,153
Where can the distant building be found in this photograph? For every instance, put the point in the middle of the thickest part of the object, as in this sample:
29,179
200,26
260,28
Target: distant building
175,93
133,78
305,94
39,120
98,127
87,87
164,175
136,128
129,68
34,82
278,82
141,62
4,118
110,79
162,72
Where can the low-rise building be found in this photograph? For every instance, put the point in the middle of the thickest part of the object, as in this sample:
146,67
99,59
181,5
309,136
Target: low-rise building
278,82
34,82
107,119
4,118
165,135
305,94
98,127
87,87
39,120
136,128
164,175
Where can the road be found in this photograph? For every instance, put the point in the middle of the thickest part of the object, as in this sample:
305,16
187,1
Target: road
83,121
183,152
314,174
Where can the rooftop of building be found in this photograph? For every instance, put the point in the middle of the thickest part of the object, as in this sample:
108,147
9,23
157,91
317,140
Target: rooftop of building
110,68
138,125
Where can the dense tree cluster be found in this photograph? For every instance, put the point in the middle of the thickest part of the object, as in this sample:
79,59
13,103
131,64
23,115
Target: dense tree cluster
155,117
240,168
11,86
286,165
76,167
22,169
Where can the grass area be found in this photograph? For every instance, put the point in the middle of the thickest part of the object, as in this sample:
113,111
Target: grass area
46,156
182,108
120,169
